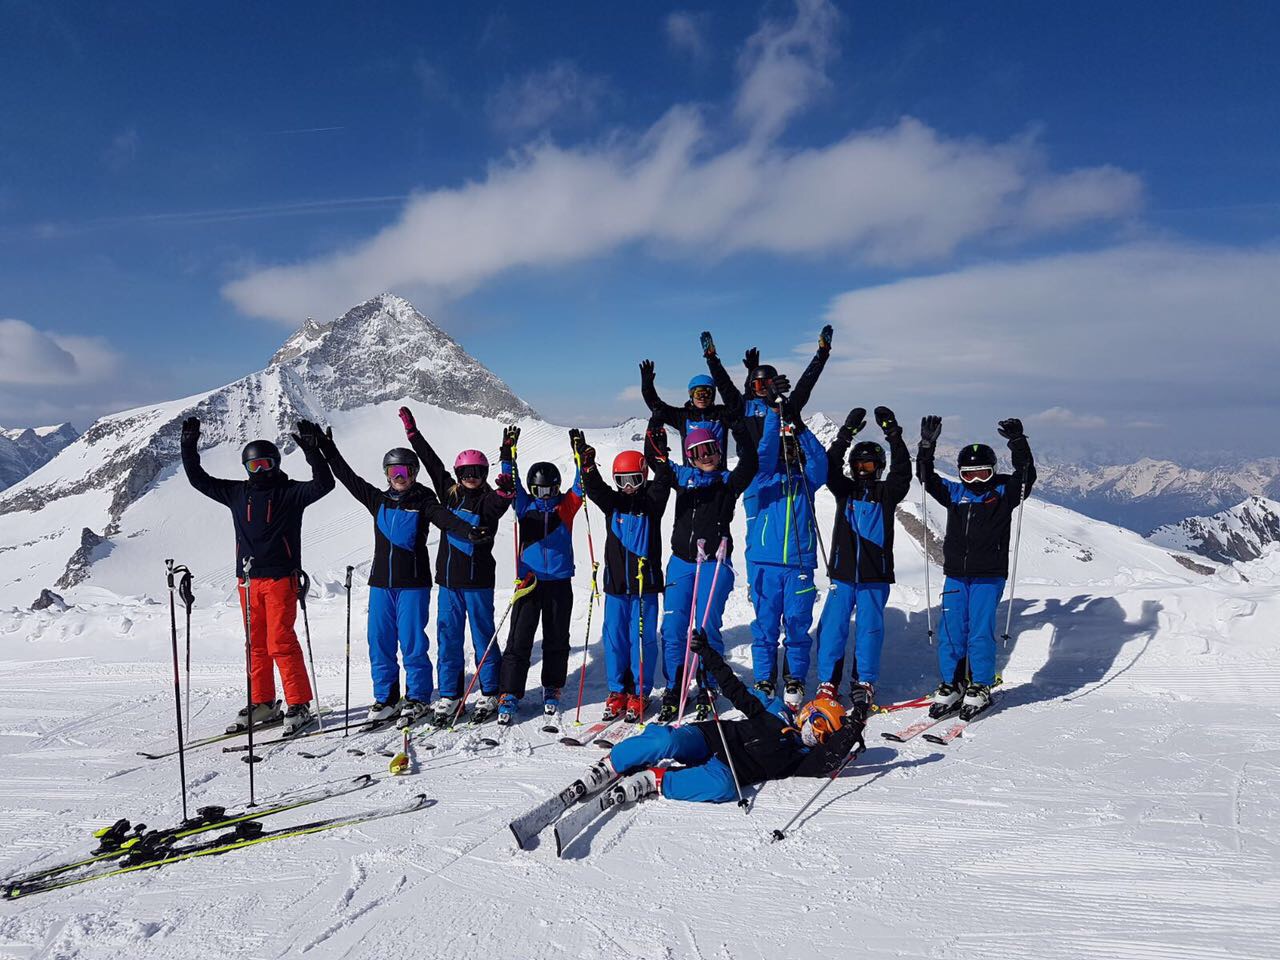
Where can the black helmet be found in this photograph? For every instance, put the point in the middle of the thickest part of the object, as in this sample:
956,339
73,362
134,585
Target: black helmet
543,477
977,455
766,371
260,450
399,456
867,450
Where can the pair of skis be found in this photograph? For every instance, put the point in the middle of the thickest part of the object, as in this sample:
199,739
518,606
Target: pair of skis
927,727
574,807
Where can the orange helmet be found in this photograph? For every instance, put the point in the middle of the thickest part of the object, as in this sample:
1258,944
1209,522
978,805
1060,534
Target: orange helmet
825,715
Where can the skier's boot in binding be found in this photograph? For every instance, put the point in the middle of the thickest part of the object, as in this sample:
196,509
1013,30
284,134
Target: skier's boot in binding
443,710
551,701
828,691
976,699
643,784
411,712
702,706
793,693
486,708
297,718
635,707
614,706
765,689
381,712
670,706
508,704
262,713
599,774
945,699
861,698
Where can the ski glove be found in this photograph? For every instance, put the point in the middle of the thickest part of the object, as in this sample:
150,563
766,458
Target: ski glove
888,423
699,643
576,442
1011,429
190,430
751,359
479,535
656,440
410,425
646,372
824,339
930,431
708,345
853,424
587,457
327,447
510,436
505,484
307,437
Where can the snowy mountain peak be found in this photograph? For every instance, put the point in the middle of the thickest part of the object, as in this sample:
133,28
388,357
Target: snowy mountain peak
25,449
1242,532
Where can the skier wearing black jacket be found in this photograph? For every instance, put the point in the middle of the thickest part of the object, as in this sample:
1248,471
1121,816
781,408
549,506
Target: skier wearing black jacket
266,512
769,743
400,576
764,378
700,410
861,561
975,558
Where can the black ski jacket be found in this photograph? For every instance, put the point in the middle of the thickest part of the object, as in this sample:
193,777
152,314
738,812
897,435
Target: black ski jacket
754,408
400,527
461,564
705,501
978,520
635,530
766,745
266,511
718,418
862,538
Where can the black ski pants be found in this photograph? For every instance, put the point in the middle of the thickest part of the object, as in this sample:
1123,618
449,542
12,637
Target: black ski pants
550,602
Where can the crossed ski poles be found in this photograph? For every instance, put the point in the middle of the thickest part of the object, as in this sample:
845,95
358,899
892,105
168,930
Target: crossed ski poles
691,658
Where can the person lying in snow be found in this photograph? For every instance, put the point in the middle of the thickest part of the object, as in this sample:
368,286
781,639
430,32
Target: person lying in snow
771,742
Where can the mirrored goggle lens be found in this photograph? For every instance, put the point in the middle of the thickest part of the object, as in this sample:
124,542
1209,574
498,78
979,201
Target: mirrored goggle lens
399,470
542,492
760,385
977,474
472,471
256,466
865,466
628,480
702,393
704,452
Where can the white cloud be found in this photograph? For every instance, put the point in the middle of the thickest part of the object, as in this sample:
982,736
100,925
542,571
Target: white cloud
902,194
31,357
559,94
1062,417
685,33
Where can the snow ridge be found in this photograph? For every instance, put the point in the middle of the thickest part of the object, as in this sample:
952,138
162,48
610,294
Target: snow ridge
1243,532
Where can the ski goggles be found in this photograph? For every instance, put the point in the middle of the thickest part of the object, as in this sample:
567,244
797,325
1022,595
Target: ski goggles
472,471
704,453
977,474
628,481
702,393
545,491
865,466
260,465
761,384
399,471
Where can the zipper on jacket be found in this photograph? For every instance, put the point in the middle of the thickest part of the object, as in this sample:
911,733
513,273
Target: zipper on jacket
269,499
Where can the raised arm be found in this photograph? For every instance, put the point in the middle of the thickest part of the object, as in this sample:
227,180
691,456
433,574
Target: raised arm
815,456
674,416
308,439
729,392
601,494
1024,467
837,482
441,478
930,430
212,487
730,685
897,483
744,471
809,379
357,486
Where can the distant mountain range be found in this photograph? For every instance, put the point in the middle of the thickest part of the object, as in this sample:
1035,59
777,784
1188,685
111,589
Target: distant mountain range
1242,532
23,450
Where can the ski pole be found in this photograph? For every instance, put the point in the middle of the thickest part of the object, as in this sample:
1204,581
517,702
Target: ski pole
640,686
928,600
188,600
523,587
853,753
248,671
711,596
715,713
177,691
346,723
591,603
1013,576
693,619
786,459
304,587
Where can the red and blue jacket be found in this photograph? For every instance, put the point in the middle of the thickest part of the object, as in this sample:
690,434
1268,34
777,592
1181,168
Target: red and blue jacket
546,531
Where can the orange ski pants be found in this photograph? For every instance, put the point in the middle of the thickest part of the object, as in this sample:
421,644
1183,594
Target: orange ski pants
273,610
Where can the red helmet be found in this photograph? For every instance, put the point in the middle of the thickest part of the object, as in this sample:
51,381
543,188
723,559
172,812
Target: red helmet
630,461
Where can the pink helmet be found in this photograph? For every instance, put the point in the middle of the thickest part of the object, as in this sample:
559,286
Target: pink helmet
470,458
698,436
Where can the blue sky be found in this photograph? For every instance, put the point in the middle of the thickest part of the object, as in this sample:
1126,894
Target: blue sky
1067,212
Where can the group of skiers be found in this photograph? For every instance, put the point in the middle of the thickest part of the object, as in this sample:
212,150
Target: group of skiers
779,470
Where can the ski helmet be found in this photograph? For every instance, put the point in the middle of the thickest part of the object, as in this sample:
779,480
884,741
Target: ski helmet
257,453
400,457
867,451
763,374
822,716
701,380
978,461
543,480
630,469
471,465
697,437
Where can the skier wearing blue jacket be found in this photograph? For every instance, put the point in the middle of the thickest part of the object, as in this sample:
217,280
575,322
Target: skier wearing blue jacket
861,562
544,527
782,547
400,577
700,411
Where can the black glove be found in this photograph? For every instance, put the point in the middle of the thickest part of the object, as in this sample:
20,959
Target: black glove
646,372
505,484
1010,429
308,436
479,535
576,442
930,431
781,384
587,457
510,437
699,643
328,448
853,424
190,431
790,416
751,359
708,345
657,444
824,339
410,425
888,423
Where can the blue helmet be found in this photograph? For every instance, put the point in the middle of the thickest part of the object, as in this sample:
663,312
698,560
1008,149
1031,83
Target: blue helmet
701,380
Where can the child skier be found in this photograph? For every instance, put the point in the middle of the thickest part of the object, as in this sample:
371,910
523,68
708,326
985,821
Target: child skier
632,575
782,548
700,411
465,572
545,544
400,576
861,562
266,512
706,496
975,559
771,742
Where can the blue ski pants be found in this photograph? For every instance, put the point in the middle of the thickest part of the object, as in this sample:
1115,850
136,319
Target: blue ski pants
869,600
398,617
783,597
968,627
623,615
679,598
704,777
458,607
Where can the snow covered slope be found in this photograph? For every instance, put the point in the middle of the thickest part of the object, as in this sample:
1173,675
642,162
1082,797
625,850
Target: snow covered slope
26,449
1241,533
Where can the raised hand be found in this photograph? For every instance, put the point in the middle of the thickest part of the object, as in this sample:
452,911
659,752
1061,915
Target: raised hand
751,359
699,643
587,457
853,424
410,425
576,441
781,384
708,345
505,484
190,430
307,437
646,371
656,443
327,447
510,437
930,430
1010,429
824,339
888,422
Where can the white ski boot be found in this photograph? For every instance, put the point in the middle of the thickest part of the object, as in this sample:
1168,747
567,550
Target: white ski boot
297,718
411,712
382,711
793,694
442,711
945,699
636,786
263,713
976,699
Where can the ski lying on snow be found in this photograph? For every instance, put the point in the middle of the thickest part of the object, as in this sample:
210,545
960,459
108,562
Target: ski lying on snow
617,733
528,825
246,834
958,728
571,825
591,733
211,739
915,729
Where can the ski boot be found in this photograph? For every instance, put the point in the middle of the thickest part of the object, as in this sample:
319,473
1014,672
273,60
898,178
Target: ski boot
945,699
765,690
550,701
635,707
670,706
614,706
828,691
262,713
976,699
599,773
508,704
381,712
297,718
443,710
643,784
411,712
793,694
486,708
861,697
702,706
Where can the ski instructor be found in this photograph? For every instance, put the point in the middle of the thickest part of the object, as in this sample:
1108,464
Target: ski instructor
266,513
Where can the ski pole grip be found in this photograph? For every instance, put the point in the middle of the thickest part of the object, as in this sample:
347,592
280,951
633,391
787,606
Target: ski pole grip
304,587
347,582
